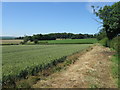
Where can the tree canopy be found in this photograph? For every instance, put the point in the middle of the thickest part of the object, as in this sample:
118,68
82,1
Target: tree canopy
110,15
54,36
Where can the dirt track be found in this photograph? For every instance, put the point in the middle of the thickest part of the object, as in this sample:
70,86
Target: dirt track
92,69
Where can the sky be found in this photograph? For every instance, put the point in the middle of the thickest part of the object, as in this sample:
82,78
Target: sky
28,18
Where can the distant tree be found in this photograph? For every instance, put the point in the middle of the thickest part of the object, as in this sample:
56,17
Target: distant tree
53,36
37,37
26,39
36,41
19,38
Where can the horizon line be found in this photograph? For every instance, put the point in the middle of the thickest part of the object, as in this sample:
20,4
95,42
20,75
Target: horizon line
40,33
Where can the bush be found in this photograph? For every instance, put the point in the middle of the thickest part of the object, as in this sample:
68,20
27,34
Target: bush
115,43
36,41
22,42
104,42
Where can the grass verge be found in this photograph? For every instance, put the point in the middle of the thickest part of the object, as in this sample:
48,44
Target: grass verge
115,69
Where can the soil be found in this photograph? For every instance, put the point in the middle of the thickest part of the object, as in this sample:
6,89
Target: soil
91,70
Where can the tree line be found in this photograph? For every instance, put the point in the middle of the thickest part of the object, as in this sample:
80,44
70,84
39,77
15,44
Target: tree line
54,36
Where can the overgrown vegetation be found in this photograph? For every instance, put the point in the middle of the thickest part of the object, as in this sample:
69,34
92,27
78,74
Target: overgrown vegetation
115,69
110,15
109,36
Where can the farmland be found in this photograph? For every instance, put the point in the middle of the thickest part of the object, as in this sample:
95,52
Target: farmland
71,41
61,41
21,60
8,42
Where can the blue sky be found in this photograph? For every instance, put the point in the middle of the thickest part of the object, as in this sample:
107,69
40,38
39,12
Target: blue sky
28,18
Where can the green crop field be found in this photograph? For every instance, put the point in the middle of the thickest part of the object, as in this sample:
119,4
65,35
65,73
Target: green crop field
71,41
21,60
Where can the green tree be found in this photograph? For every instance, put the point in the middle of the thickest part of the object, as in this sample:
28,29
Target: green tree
26,39
36,41
110,15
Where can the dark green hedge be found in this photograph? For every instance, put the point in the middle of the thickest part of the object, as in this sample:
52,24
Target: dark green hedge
114,43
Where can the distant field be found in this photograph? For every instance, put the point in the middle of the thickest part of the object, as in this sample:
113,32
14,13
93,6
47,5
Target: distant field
71,41
60,41
10,41
21,60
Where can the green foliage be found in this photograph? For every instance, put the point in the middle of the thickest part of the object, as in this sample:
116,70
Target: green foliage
36,41
115,43
22,42
104,42
78,36
54,36
111,19
24,84
22,60
68,62
115,68
26,39
101,34
27,83
93,86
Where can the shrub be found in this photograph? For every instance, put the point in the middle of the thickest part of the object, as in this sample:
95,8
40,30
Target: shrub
22,42
115,43
36,41
104,42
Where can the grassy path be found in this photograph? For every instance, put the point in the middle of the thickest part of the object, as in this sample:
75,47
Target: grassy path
91,70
